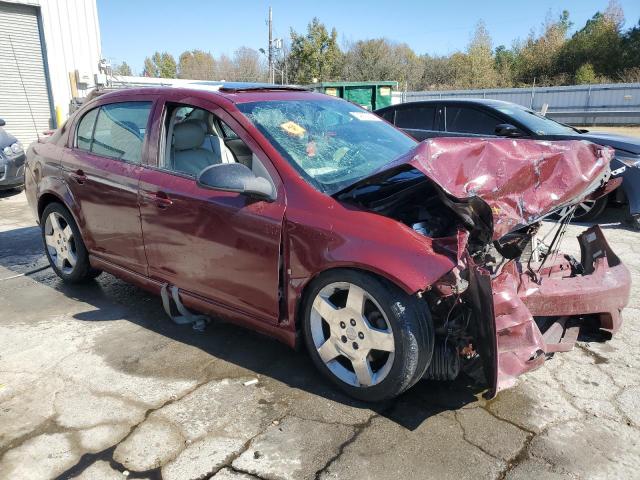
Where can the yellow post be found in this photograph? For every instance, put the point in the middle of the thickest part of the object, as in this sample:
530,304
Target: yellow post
59,116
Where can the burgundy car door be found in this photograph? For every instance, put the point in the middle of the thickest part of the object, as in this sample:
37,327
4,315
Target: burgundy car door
222,246
102,169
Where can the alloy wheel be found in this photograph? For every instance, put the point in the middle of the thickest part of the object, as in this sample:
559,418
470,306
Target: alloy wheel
582,209
352,334
60,243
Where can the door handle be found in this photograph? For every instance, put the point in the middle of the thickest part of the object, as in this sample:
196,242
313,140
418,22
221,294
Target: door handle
161,199
79,176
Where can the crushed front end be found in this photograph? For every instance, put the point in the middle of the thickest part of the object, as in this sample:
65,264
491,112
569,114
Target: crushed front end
539,308
514,299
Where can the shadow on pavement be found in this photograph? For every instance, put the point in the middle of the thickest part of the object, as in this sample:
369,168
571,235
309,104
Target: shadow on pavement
113,299
613,218
9,192
21,249
116,300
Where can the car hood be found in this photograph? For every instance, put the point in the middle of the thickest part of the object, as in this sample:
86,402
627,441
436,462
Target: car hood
6,138
619,142
521,180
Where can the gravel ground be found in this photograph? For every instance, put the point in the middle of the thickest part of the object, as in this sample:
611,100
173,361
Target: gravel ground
96,383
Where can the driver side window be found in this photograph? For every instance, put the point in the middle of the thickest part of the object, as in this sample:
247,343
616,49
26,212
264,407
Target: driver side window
195,139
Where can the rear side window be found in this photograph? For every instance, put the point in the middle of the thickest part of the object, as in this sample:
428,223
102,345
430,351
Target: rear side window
416,118
469,120
116,130
85,130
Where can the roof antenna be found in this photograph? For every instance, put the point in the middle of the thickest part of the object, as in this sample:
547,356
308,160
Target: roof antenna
15,59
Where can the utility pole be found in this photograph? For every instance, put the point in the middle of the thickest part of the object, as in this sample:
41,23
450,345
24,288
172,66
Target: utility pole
271,76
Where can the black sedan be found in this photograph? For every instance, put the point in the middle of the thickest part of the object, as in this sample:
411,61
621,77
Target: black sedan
488,118
11,160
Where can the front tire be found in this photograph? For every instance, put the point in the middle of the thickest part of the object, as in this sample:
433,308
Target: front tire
63,244
588,210
368,337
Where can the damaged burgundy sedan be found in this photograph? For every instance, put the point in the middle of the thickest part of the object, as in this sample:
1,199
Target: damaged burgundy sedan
309,219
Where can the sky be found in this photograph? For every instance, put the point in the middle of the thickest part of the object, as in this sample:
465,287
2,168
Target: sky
134,29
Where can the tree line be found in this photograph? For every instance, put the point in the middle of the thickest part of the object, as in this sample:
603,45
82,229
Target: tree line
245,65
602,51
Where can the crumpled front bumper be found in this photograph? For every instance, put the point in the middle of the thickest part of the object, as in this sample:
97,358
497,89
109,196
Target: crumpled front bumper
568,302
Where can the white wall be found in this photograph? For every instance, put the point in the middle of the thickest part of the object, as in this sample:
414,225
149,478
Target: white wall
72,41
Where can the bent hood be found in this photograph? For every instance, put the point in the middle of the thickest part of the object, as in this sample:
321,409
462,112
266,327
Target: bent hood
619,142
521,180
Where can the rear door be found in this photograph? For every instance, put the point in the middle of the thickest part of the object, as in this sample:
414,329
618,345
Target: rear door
419,121
102,168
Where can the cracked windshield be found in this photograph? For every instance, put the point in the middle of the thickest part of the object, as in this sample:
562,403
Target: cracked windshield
332,143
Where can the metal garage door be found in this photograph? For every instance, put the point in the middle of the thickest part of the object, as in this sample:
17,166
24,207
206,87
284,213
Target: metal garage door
24,102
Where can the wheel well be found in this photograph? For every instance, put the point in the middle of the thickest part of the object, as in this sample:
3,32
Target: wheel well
45,200
305,289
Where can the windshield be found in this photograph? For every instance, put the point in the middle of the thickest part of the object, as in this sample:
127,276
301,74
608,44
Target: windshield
332,143
535,122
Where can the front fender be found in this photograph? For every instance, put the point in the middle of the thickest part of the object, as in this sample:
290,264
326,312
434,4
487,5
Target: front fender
631,188
364,241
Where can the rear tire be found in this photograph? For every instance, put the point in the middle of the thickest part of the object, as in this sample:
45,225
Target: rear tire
368,337
63,245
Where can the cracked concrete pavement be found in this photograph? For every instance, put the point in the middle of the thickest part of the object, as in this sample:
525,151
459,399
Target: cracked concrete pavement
96,383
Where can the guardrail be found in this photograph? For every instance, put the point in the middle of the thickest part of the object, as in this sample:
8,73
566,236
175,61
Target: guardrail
616,104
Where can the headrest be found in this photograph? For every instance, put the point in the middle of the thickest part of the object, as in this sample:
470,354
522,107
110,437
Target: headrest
188,135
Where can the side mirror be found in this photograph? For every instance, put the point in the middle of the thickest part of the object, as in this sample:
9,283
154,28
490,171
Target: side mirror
508,130
2,123
235,177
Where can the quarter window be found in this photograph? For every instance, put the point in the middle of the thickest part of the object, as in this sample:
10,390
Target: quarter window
85,130
115,130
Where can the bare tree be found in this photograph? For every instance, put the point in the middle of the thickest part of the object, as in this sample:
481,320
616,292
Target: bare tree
248,65
224,68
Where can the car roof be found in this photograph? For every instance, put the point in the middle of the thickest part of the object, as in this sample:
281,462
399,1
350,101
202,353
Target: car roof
236,92
488,102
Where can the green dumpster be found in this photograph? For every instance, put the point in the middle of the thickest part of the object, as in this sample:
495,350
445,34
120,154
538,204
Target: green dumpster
370,95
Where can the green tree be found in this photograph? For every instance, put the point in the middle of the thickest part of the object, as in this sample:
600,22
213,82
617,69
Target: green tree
438,72
196,65
585,74
599,43
505,60
161,65
314,55
631,48
150,68
123,69
369,60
